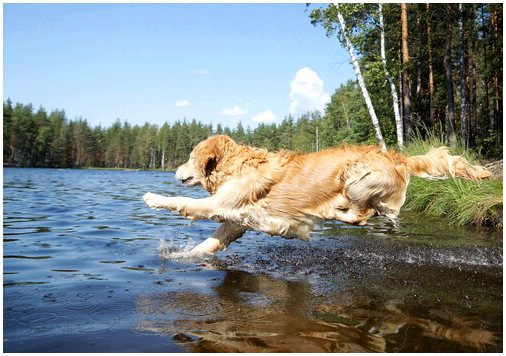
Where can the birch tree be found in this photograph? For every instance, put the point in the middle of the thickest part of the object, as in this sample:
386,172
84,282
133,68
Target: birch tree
360,79
393,90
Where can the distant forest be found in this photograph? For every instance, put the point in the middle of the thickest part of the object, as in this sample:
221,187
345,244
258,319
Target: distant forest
428,69
35,138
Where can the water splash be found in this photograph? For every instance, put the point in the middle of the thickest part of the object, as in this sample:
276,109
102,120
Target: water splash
478,256
168,250
420,256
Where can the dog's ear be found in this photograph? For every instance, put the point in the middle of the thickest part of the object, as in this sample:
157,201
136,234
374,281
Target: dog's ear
210,166
210,152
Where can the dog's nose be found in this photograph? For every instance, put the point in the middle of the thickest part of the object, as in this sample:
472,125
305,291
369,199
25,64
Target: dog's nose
180,174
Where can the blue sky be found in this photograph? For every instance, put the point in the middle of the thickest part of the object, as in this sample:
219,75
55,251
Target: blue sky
164,62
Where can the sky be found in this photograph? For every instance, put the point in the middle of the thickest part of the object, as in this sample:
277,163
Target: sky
157,63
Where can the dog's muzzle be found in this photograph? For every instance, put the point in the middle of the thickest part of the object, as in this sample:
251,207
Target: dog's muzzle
184,177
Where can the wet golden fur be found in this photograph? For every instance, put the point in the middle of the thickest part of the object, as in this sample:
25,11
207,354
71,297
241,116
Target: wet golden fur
285,193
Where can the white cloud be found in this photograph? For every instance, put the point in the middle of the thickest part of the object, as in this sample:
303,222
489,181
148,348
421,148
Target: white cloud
182,103
306,93
203,71
264,117
235,113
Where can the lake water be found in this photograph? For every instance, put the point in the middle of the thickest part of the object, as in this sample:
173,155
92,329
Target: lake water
88,268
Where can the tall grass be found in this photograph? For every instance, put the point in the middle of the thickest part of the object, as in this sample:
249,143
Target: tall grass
458,201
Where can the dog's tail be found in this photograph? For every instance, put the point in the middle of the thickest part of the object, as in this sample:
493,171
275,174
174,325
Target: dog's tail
440,164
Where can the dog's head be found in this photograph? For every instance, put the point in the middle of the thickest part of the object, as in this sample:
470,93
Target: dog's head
201,168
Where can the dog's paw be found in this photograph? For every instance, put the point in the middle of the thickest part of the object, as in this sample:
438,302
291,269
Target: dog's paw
154,201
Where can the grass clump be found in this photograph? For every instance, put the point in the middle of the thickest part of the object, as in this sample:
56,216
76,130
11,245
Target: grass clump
458,201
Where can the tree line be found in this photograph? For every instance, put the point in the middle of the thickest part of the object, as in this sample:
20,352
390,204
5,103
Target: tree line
426,69
36,138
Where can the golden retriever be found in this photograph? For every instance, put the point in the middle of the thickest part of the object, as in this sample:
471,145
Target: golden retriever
286,193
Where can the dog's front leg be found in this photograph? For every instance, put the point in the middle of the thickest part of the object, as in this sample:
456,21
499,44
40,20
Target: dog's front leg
155,201
189,207
227,233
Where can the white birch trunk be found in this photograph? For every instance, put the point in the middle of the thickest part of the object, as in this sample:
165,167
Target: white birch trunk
361,83
346,116
393,90
163,158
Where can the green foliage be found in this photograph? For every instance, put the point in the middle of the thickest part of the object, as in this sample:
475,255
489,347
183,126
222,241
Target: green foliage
346,118
427,30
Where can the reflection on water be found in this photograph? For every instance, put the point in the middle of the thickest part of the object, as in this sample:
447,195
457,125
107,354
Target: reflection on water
85,271
250,313
254,312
